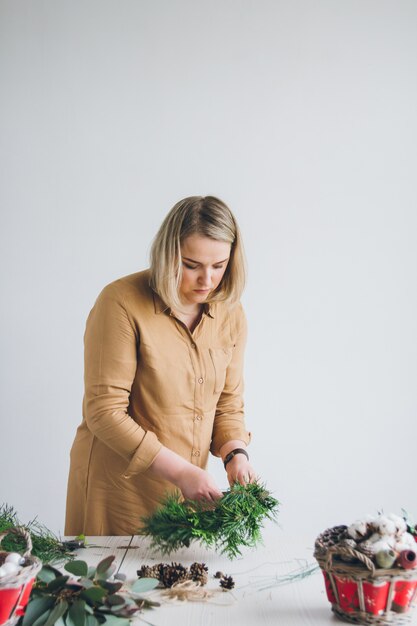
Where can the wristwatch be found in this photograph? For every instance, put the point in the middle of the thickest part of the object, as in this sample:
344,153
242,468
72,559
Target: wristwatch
233,453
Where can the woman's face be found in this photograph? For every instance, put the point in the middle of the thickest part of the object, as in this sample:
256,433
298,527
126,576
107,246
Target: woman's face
204,262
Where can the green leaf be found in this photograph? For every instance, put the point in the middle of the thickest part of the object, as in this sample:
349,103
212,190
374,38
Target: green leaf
78,568
94,594
107,573
76,614
57,612
112,587
86,582
91,621
91,572
144,584
116,600
104,565
42,618
57,584
48,573
113,620
36,608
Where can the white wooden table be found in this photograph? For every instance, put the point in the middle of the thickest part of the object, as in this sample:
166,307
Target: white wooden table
254,600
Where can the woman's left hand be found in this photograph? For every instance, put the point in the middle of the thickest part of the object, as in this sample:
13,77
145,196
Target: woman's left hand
239,470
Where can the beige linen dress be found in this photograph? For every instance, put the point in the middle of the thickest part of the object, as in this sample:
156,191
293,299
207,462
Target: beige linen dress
149,382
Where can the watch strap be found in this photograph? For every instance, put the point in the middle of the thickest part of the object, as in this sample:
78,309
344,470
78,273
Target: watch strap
233,453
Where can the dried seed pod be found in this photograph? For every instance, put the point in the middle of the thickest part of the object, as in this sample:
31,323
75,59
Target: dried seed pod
227,583
199,573
173,573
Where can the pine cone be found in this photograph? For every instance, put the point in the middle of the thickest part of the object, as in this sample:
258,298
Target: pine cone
330,537
198,573
219,575
150,571
367,548
173,573
348,543
227,583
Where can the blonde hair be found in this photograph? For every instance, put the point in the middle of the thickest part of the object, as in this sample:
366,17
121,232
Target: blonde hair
196,215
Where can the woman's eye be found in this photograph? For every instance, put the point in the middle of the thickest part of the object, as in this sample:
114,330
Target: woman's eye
218,267
190,267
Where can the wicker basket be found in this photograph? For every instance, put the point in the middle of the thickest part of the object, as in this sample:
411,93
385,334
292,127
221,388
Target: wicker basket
15,588
360,593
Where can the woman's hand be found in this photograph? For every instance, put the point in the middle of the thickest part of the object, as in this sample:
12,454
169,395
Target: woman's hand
197,484
194,482
239,470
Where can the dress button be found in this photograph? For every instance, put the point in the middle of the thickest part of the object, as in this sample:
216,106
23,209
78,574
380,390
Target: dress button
198,417
200,380
193,345
196,452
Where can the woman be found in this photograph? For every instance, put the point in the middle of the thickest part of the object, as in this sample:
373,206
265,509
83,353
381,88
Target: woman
163,376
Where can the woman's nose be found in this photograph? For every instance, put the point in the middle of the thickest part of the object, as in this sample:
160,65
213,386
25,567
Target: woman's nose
205,277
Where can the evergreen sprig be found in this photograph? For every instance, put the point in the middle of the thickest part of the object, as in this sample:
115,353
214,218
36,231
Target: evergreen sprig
93,598
226,525
46,545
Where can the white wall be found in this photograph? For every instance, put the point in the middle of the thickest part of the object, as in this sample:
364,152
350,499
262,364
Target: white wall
302,116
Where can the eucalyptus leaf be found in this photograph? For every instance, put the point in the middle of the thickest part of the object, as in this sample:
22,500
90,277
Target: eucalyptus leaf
36,608
78,568
42,618
144,584
92,621
86,582
111,587
113,620
94,594
57,612
76,614
104,565
116,600
91,571
58,583
48,573
107,573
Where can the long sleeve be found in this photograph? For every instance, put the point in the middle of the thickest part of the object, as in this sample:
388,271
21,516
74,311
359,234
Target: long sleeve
111,343
229,417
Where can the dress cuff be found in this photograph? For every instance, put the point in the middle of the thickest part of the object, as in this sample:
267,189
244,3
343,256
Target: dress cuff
229,435
144,455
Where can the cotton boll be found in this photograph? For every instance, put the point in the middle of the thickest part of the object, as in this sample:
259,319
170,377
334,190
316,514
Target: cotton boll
405,542
399,522
358,530
383,545
385,526
9,568
408,539
13,557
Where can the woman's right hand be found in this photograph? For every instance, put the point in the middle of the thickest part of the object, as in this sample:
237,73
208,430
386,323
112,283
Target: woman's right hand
194,482
197,484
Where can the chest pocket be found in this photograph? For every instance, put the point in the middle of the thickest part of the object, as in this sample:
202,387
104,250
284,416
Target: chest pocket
220,357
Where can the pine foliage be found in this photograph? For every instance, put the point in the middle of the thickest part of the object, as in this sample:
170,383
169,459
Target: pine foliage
232,522
46,545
